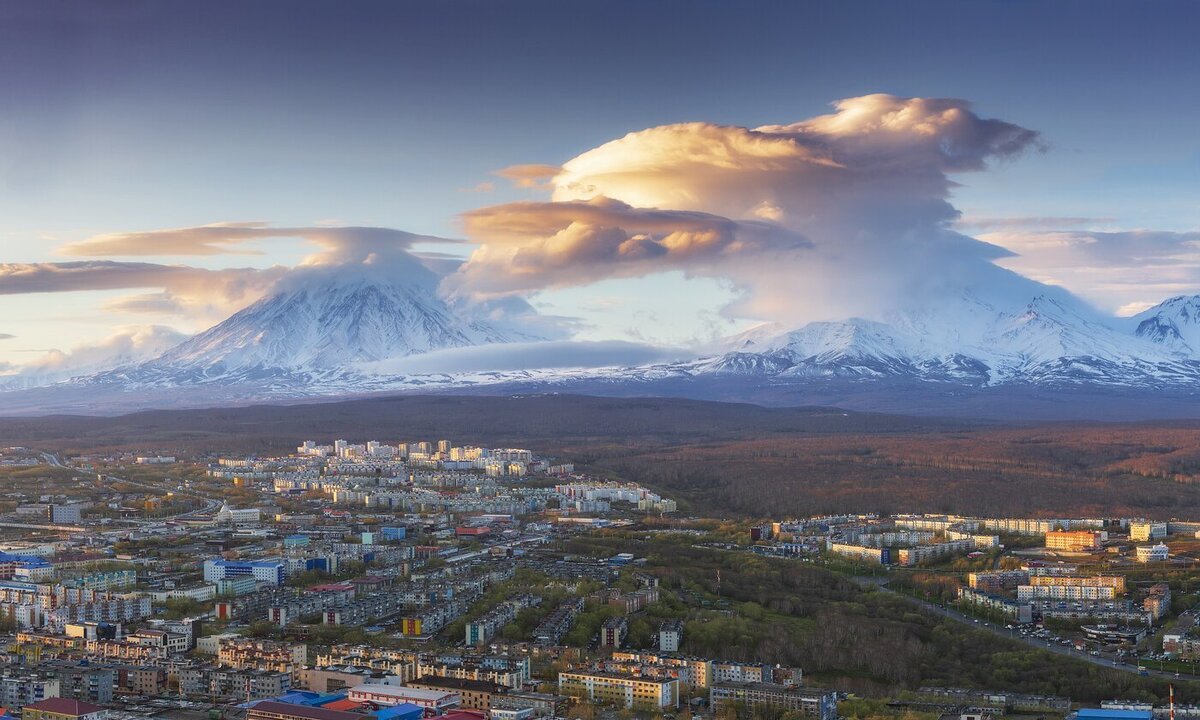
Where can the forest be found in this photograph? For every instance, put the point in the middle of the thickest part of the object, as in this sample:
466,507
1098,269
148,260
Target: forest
872,643
722,459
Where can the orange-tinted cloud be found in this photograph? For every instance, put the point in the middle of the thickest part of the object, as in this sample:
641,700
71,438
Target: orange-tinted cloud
867,188
529,176
529,246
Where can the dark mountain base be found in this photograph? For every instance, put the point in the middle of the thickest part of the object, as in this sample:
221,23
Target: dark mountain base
1005,403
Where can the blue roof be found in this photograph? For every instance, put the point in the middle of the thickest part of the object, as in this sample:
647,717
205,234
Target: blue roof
396,712
298,697
329,698
1106,714
27,560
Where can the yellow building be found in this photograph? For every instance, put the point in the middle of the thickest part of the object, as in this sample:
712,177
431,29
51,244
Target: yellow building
1116,582
627,691
1074,540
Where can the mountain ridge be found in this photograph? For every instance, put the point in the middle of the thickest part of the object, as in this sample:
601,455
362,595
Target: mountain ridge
325,333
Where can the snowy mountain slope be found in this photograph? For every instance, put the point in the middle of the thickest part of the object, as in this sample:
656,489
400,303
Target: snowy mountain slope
338,334
320,326
1048,340
1174,323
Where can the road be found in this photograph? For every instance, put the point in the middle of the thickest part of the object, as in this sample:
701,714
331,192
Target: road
209,503
880,583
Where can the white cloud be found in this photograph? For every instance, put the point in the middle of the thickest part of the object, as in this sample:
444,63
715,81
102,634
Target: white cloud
1123,272
181,289
865,187
231,238
527,356
127,345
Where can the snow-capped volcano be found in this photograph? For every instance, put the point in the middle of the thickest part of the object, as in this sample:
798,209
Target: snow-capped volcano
328,333
1051,339
321,322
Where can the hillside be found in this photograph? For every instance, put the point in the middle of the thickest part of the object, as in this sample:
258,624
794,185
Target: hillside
720,458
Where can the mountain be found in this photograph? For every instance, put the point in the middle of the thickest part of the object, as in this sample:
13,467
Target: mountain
334,334
1174,323
1048,341
321,324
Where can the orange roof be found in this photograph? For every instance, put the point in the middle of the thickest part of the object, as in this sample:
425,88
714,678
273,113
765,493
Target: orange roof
343,704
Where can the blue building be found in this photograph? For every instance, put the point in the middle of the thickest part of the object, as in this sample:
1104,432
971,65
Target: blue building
268,571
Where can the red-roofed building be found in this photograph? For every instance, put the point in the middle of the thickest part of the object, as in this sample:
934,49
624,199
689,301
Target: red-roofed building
472,531
63,709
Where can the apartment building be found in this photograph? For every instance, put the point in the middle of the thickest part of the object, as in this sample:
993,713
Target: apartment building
922,553
1146,530
1065,592
473,694
243,685
612,632
694,671
670,633
245,654
1158,601
997,582
141,679
1075,540
20,687
509,671
863,553
1017,611
628,691
484,628
811,702
558,623
1116,582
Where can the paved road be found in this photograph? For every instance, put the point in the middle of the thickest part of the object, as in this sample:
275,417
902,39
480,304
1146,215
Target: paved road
880,583
209,503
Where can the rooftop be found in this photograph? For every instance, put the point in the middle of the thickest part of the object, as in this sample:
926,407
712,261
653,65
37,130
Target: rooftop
302,711
63,706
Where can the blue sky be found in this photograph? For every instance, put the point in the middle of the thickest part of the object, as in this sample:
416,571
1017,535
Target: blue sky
135,116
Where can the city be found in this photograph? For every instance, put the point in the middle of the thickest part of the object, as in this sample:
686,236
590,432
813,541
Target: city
350,581
620,360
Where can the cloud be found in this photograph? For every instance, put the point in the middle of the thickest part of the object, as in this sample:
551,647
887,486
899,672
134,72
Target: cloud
839,215
205,296
126,346
536,245
527,356
529,176
339,243
195,292
6,336
1119,271
1036,222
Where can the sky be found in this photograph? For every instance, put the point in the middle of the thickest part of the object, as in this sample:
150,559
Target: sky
1063,149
